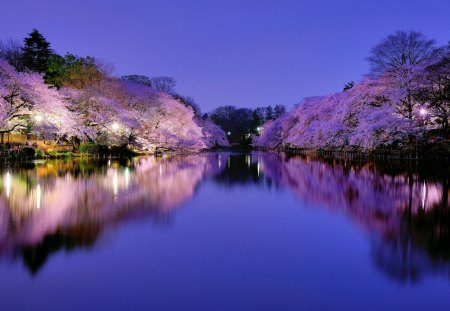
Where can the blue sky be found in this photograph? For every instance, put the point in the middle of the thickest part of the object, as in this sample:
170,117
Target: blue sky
242,53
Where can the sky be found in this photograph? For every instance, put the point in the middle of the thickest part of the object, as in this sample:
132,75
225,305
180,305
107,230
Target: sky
241,53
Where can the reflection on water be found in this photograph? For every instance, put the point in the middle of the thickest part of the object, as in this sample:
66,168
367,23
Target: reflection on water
66,205
403,207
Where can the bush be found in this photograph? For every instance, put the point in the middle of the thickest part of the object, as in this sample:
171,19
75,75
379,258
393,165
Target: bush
26,152
67,154
39,153
52,153
91,148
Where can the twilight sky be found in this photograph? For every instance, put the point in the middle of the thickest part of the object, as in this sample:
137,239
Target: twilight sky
235,52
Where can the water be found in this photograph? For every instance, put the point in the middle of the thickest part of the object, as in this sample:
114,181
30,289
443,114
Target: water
224,231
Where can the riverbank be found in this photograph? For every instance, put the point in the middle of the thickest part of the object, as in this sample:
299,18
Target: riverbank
381,154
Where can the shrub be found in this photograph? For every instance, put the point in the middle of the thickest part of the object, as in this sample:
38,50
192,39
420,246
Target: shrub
39,153
67,154
89,147
52,153
26,152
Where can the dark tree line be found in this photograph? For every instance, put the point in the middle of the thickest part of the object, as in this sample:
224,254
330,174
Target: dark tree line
241,123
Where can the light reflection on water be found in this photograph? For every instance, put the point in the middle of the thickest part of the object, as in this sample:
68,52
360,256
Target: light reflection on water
402,208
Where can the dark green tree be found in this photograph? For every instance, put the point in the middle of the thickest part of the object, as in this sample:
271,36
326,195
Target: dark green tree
348,86
236,122
279,110
36,52
73,71
258,119
269,113
56,71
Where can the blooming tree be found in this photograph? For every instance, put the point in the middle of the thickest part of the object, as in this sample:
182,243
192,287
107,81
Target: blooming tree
25,100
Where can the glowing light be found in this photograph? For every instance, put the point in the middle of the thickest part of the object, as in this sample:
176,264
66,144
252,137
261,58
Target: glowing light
8,184
258,129
424,194
423,112
127,176
160,170
115,184
229,133
38,196
115,126
38,118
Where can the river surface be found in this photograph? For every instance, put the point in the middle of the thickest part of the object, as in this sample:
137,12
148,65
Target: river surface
225,231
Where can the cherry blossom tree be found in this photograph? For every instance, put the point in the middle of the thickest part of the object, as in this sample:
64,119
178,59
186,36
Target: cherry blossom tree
25,100
214,136
409,79
397,57
432,89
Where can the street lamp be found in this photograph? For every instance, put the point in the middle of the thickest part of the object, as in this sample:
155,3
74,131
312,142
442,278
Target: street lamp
229,133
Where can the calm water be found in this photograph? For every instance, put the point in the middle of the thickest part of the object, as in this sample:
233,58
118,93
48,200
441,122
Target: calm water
224,231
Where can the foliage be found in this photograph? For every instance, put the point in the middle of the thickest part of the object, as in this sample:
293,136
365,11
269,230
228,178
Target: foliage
89,104
68,154
52,153
241,123
26,101
432,86
349,85
405,95
39,153
36,52
26,152
89,147
189,102
73,71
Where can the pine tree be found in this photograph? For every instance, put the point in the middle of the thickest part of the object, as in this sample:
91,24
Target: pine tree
269,113
36,52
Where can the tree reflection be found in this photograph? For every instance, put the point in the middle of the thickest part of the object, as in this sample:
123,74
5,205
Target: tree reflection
67,205
239,169
403,206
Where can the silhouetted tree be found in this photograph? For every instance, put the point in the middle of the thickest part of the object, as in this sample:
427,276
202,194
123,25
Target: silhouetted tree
279,110
144,80
348,85
11,51
164,84
36,52
269,113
